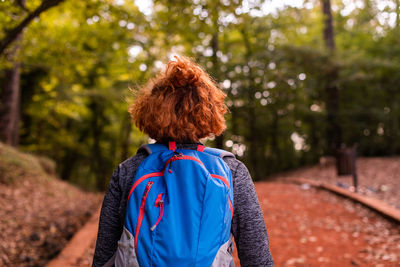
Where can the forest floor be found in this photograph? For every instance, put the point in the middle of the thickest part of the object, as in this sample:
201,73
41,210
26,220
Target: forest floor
313,227
39,213
306,226
377,177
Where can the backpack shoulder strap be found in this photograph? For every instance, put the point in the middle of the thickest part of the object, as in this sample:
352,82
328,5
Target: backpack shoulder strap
219,152
152,148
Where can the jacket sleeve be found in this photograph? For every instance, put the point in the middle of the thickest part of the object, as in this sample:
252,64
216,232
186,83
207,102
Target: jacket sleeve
110,224
248,226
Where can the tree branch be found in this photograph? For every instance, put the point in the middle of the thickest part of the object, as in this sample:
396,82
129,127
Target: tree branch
12,34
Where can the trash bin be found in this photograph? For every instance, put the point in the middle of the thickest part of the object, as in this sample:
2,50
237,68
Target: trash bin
346,163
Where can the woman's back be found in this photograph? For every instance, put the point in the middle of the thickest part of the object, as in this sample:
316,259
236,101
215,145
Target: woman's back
189,100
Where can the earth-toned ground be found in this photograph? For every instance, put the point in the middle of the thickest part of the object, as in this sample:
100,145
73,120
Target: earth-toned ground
310,227
377,177
37,221
306,226
39,213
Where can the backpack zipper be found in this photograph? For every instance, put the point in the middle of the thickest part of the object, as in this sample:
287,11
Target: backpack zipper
173,158
159,204
141,212
179,156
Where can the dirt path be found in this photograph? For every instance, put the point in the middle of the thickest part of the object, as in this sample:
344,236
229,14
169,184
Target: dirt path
81,244
309,227
377,177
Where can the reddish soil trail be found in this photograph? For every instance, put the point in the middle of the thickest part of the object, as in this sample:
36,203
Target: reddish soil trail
310,227
377,177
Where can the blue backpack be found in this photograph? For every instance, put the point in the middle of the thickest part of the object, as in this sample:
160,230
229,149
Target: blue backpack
179,210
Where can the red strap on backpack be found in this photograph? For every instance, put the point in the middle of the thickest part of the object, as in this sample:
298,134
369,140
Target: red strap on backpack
200,148
172,145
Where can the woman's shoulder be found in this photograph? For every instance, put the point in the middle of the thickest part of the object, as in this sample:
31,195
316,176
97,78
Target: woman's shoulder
237,167
128,167
134,160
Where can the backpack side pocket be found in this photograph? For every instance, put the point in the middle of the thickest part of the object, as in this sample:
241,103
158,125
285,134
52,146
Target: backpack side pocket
126,255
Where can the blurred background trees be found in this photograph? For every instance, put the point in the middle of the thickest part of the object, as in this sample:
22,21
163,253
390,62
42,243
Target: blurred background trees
302,77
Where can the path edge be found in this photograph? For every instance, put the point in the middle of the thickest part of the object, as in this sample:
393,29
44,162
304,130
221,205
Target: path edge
374,204
78,244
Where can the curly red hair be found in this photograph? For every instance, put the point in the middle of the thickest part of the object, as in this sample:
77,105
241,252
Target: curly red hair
183,103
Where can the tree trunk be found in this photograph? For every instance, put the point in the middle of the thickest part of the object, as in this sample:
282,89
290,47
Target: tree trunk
125,133
97,124
68,163
397,14
11,95
334,133
251,113
394,128
274,141
219,140
329,38
314,140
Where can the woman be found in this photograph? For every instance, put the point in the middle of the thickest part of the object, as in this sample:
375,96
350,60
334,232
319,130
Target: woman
183,104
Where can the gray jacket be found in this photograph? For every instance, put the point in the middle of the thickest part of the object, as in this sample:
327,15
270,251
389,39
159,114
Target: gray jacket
248,226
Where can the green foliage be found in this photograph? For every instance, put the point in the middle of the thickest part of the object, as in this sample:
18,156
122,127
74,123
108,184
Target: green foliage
80,58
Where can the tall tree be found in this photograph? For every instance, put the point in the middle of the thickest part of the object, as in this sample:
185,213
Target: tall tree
397,14
11,95
253,135
219,140
334,132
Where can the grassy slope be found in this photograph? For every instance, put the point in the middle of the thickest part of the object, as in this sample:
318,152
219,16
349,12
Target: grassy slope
15,165
38,212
